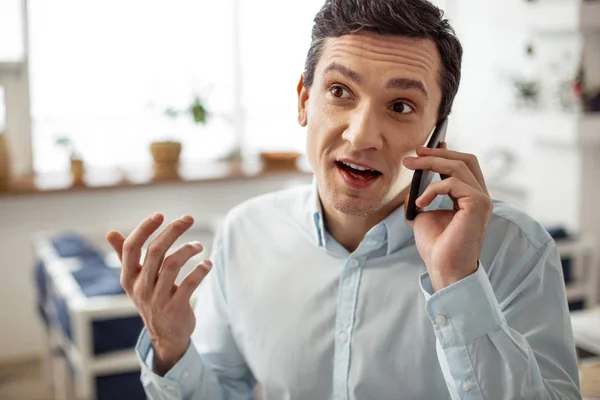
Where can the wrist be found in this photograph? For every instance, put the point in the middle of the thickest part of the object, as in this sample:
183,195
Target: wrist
443,279
167,355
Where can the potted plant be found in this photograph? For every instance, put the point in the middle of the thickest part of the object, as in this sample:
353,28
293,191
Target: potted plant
166,153
77,166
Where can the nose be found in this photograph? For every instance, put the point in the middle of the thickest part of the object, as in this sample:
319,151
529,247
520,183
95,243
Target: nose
364,131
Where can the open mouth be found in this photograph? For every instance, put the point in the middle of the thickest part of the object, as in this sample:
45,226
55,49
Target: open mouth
357,172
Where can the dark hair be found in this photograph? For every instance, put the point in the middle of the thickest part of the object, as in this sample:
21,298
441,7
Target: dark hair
410,18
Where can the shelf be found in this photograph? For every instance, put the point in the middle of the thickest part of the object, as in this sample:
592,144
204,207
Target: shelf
190,173
590,16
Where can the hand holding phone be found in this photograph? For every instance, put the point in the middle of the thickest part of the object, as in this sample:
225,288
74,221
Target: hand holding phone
422,178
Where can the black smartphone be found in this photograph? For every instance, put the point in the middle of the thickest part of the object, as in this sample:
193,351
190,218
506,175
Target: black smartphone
422,178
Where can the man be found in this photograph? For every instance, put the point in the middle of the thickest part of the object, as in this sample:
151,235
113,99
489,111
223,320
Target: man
326,292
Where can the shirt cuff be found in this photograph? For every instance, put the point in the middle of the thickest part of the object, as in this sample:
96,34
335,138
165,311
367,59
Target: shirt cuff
464,310
180,380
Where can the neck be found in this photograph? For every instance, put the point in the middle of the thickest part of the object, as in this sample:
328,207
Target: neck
350,230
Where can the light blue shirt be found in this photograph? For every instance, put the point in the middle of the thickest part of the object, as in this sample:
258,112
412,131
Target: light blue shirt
287,306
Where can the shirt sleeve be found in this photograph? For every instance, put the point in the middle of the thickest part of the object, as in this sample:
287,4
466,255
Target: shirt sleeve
519,348
212,368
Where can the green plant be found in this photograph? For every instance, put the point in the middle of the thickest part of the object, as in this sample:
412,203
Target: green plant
196,110
65,142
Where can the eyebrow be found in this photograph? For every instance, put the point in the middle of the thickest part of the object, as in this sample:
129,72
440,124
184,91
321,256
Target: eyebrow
394,83
347,72
407,84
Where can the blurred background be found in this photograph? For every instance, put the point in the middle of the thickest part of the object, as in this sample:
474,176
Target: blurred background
112,110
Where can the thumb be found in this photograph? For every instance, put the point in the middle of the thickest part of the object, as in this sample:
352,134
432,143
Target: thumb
116,240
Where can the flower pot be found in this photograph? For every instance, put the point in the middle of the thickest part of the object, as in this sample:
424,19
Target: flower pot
4,163
77,172
285,161
166,159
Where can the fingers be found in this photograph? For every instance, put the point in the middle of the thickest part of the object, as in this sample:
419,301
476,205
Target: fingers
443,166
132,248
171,267
192,281
464,194
158,248
469,160
116,241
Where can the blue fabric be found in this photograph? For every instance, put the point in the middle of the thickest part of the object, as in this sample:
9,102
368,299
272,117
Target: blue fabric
98,280
62,312
558,232
42,313
95,279
41,280
41,283
70,244
288,306
121,386
116,334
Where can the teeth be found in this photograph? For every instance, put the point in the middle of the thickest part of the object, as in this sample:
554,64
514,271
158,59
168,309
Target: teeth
357,167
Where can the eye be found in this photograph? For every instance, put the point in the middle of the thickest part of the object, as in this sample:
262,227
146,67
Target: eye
339,92
402,108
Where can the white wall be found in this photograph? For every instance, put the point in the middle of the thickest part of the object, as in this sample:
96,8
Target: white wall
93,212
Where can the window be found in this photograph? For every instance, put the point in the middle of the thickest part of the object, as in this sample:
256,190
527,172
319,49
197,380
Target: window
11,28
11,47
102,72
274,47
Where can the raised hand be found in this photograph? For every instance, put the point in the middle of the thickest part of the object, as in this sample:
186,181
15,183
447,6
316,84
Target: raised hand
164,306
449,241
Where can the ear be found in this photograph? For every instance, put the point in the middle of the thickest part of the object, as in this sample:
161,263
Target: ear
302,100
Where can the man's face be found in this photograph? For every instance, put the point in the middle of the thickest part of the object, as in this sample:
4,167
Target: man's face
373,101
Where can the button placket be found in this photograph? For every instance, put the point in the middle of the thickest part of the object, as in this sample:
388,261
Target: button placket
347,297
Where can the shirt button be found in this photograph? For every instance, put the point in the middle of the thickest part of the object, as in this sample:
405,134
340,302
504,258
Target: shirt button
354,263
466,386
343,337
185,374
170,387
440,319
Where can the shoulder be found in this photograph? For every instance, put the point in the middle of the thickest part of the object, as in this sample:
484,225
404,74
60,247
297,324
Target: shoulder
284,201
517,226
516,248
266,211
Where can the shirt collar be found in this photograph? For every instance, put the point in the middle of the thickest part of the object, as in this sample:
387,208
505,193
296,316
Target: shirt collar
392,229
317,213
